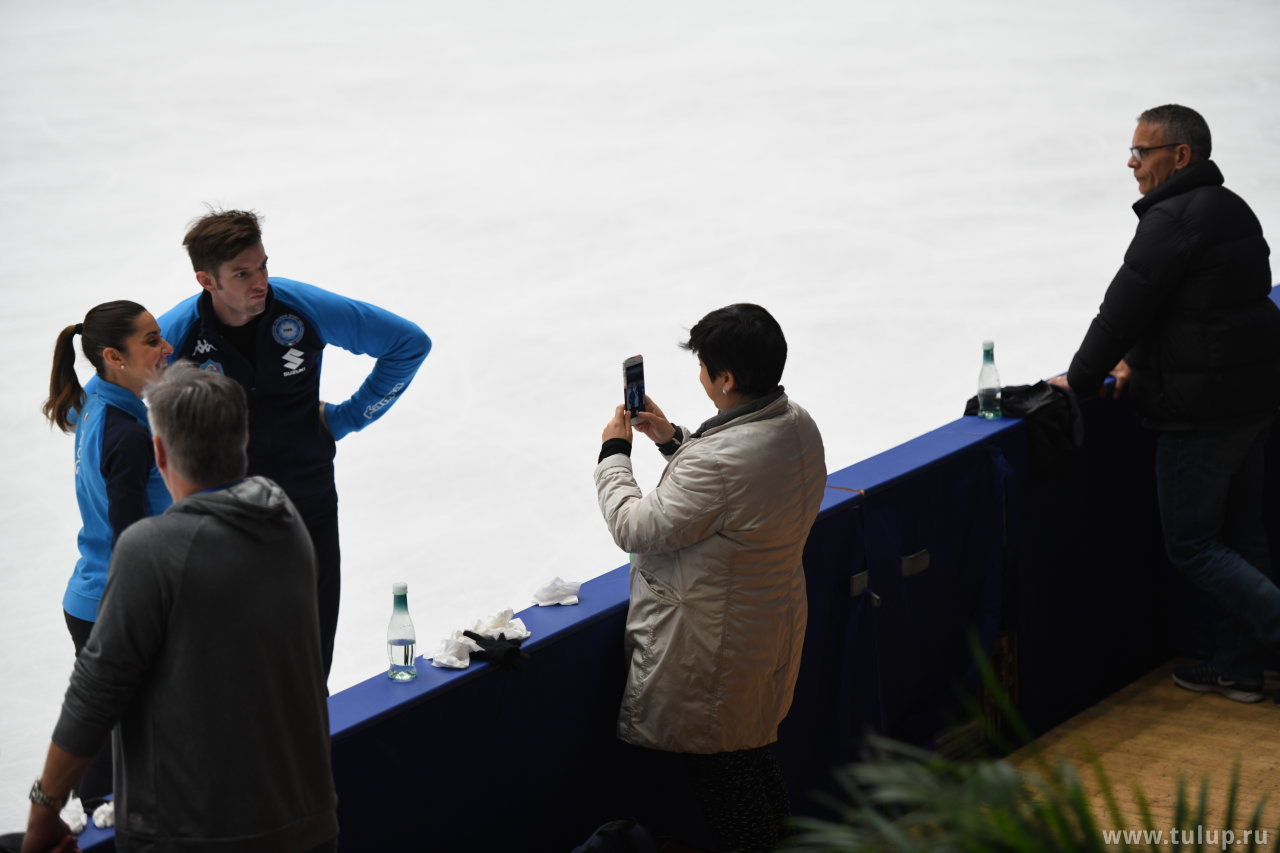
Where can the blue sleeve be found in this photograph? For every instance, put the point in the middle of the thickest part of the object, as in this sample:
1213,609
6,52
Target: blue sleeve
127,459
175,324
398,345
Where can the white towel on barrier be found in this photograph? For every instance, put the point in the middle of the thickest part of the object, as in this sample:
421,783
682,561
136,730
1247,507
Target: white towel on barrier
558,591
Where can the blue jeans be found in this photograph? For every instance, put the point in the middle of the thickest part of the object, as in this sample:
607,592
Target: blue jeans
1209,485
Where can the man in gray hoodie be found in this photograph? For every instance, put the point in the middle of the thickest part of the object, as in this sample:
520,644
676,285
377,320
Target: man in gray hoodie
205,657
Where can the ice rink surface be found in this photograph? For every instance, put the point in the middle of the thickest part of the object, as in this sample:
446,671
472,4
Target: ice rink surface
550,187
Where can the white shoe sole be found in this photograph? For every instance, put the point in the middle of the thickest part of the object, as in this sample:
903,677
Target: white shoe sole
1232,693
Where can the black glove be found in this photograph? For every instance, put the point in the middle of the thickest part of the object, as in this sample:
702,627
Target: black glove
502,652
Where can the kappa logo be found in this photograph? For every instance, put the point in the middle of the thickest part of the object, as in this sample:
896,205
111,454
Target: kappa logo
293,362
203,346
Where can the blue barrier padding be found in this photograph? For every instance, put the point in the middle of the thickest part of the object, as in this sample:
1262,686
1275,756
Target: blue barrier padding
837,696
375,698
835,497
502,756
950,521
1083,571
97,840
918,454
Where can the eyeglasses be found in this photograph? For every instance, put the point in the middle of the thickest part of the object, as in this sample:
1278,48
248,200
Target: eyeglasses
1139,153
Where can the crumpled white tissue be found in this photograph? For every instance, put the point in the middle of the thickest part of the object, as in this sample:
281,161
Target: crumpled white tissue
105,815
455,650
501,623
73,815
558,591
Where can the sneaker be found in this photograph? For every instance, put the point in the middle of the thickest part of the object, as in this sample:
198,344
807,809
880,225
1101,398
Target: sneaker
1203,678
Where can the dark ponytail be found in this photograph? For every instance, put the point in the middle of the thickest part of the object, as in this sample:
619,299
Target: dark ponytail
107,325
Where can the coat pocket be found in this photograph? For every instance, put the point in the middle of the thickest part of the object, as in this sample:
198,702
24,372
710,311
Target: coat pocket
656,588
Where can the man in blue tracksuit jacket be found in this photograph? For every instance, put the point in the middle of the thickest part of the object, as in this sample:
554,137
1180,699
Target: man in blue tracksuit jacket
269,334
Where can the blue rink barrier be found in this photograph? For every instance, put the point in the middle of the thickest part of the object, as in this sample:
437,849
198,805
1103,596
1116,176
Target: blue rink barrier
915,550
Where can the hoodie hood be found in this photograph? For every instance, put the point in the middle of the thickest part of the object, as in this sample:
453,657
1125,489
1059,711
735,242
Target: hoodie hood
253,506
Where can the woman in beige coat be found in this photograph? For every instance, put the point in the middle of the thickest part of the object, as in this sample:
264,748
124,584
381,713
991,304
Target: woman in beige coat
717,613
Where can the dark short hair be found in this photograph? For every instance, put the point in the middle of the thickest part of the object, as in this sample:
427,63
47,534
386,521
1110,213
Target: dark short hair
1182,124
214,239
745,340
203,419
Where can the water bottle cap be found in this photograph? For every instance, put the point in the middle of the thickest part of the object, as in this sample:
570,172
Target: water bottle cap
400,588
988,344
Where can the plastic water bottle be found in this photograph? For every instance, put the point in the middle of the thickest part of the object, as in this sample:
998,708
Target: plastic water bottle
401,637
989,383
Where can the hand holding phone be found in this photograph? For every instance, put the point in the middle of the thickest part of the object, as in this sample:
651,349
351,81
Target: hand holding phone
653,424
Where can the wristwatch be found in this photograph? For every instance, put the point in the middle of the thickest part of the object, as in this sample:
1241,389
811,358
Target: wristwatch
40,798
670,446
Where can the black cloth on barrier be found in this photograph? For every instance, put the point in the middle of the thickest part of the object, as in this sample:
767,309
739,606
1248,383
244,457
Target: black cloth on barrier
1055,428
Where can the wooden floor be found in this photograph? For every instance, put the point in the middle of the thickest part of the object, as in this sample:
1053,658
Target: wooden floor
1153,732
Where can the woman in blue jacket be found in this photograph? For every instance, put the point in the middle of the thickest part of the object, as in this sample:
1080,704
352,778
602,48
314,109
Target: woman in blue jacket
116,478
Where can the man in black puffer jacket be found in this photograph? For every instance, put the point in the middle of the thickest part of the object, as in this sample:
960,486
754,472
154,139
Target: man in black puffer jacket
1188,325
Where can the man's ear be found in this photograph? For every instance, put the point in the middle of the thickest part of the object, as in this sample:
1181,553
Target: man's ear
206,281
1182,156
162,464
162,453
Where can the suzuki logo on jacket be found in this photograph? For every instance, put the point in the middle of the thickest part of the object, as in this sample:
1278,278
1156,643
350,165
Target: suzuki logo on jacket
293,362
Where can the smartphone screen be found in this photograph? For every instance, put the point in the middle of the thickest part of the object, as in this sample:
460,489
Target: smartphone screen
633,384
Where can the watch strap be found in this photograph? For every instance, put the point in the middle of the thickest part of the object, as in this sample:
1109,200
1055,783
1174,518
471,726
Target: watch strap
40,798
670,446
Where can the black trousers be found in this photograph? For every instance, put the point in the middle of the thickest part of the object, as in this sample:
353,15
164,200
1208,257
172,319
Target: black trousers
324,538
742,795
96,782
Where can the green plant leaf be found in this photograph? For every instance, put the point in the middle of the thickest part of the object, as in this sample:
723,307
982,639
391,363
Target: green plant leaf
901,798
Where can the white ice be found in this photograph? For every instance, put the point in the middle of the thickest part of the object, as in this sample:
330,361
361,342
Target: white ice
548,187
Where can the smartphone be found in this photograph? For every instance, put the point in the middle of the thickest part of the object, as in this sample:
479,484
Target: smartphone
633,384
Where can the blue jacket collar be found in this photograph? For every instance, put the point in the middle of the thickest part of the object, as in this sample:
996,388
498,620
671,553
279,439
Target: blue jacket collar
121,398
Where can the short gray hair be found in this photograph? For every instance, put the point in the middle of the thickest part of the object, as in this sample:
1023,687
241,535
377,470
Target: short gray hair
1182,124
203,419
